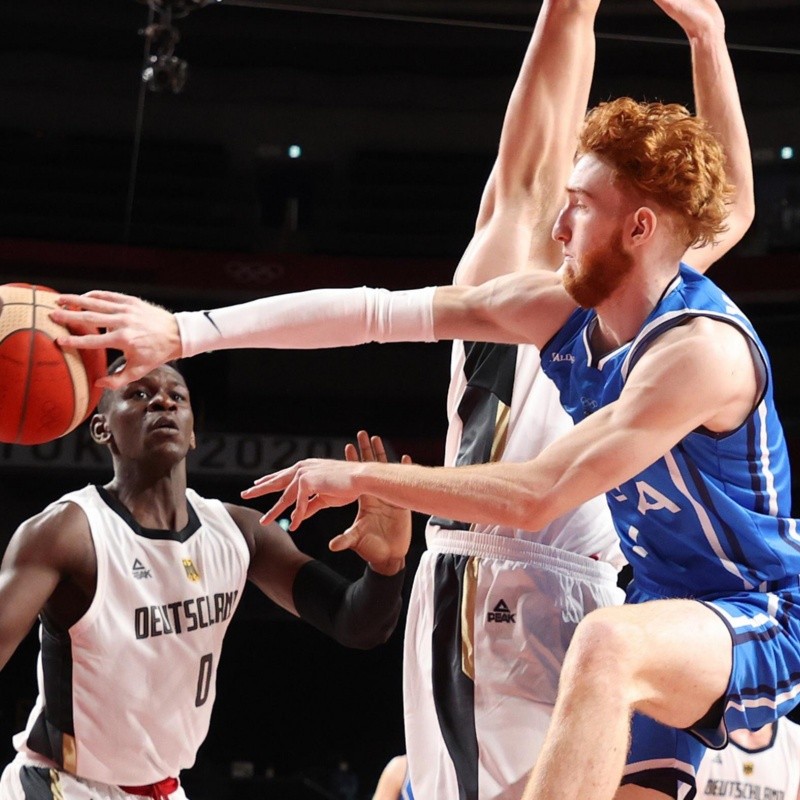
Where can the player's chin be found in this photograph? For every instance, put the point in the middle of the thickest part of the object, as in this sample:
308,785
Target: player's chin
168,439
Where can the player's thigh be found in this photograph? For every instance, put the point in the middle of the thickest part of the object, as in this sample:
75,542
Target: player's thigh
676,653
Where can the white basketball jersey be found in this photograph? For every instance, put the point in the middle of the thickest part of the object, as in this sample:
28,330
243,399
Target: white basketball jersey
771,773
126,694
502,407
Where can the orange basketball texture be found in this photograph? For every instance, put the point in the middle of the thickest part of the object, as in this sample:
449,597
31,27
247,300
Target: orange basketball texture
45,391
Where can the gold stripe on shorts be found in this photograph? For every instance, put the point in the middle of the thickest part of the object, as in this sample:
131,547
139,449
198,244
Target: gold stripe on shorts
69,753
468,617
500,437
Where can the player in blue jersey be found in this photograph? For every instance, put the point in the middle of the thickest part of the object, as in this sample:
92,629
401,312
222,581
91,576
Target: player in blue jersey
672,395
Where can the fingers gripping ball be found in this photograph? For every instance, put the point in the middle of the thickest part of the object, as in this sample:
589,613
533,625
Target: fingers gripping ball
45,391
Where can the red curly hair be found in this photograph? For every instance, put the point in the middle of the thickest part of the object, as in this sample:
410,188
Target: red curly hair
667,154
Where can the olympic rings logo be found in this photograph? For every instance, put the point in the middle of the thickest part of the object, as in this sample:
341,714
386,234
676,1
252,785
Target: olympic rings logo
257,272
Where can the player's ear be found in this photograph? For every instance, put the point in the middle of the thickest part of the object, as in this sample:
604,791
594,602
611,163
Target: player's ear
99,429
643,225
192,441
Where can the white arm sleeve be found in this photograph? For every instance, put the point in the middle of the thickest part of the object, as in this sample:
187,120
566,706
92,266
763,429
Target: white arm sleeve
309,320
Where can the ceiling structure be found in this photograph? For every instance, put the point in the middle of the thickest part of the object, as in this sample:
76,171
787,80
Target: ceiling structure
395,104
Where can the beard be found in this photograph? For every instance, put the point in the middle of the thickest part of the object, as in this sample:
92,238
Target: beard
600,273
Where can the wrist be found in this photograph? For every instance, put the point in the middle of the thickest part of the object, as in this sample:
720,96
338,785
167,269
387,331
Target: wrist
389,567
192,331
175,342
365,477
708,35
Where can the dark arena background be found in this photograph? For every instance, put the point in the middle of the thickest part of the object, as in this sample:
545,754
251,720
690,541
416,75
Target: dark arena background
284,146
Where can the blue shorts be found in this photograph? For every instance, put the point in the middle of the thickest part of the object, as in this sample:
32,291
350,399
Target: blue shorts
764,685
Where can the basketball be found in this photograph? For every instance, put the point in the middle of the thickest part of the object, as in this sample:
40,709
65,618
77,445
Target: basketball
45,391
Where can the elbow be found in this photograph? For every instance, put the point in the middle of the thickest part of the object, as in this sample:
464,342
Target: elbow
746,214
739,222
531,513
742,209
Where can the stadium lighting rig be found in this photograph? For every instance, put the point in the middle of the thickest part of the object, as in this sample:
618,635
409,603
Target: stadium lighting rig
163,70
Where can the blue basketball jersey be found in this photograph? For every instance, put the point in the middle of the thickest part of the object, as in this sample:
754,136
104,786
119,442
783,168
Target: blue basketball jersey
712,515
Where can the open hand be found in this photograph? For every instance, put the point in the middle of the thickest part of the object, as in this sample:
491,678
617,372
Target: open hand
311,485
146,333
381,533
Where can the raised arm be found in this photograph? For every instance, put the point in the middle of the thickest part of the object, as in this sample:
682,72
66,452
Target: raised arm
717,101
537,144
655,411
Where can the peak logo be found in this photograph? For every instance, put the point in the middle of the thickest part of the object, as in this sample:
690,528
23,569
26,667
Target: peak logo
139,570
501,613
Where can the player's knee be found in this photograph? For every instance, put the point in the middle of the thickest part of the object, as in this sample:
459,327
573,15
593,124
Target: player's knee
601,650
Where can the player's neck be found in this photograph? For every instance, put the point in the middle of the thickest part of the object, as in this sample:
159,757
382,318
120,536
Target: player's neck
622,315
154,503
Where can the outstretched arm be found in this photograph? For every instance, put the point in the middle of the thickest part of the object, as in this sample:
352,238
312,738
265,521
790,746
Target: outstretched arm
361,613
717,101
149,335
537,144
653,413
501,310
